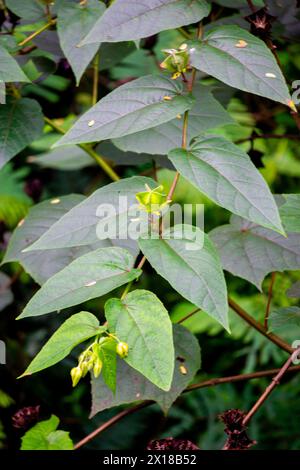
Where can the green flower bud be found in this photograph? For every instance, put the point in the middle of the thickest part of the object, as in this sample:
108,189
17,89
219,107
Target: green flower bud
97,368
76,375
122,349
152,199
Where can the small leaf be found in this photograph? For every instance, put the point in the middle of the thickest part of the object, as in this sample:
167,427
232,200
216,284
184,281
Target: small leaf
252,68
128,19
132,107
74,21
133,386
251,252
191,265
225,173
91,275
10,71
80,225
75,330
141,320
207,113
286,318
44,436
21,122
108,356
290,212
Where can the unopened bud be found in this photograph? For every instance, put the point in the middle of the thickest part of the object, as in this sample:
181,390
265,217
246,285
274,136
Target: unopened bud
122,349
97,368
76,375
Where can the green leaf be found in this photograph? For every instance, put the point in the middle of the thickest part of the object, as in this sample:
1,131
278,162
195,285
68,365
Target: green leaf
91,275
141,320
10,71
251,252
44,436
42,265
286,318
31,9
127,19
236,57
294,290
130,108
207,113
6,295
75,330
225,173
74,21
190,263
108,356
78,226
290,212
21,122
133,386
64,158
2,93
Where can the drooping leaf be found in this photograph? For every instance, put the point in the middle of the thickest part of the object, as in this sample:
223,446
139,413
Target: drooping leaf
127,19
284,319
29,10
79,226
141,320
63,158
44,436
130,108
251,252
21,122
189,261
75,330
225,173
74,21
91,275
133,386
206,113
236,57
10,71
6,295
290,212
41,265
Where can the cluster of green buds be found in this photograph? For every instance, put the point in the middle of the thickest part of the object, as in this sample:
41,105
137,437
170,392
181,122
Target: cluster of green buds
90,359
152,200
177,61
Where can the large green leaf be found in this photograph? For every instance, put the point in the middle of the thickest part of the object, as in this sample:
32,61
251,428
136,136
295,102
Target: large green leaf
129,19
74,21
192,267
141,320
207,113
63,158
75,330
290,212
78,226
30,9
9,68
41,265
44,436
21,122
130,108
284,319
89,276
241,60
251,252
225,173
133,386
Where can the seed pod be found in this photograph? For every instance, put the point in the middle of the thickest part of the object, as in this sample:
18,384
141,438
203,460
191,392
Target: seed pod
122,349
76,375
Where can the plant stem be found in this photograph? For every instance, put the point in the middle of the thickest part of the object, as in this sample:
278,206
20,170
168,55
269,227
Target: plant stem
129,285
275,381
90,151
270,293
186,317
255,324
38,32
203,384
251,6
95,79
